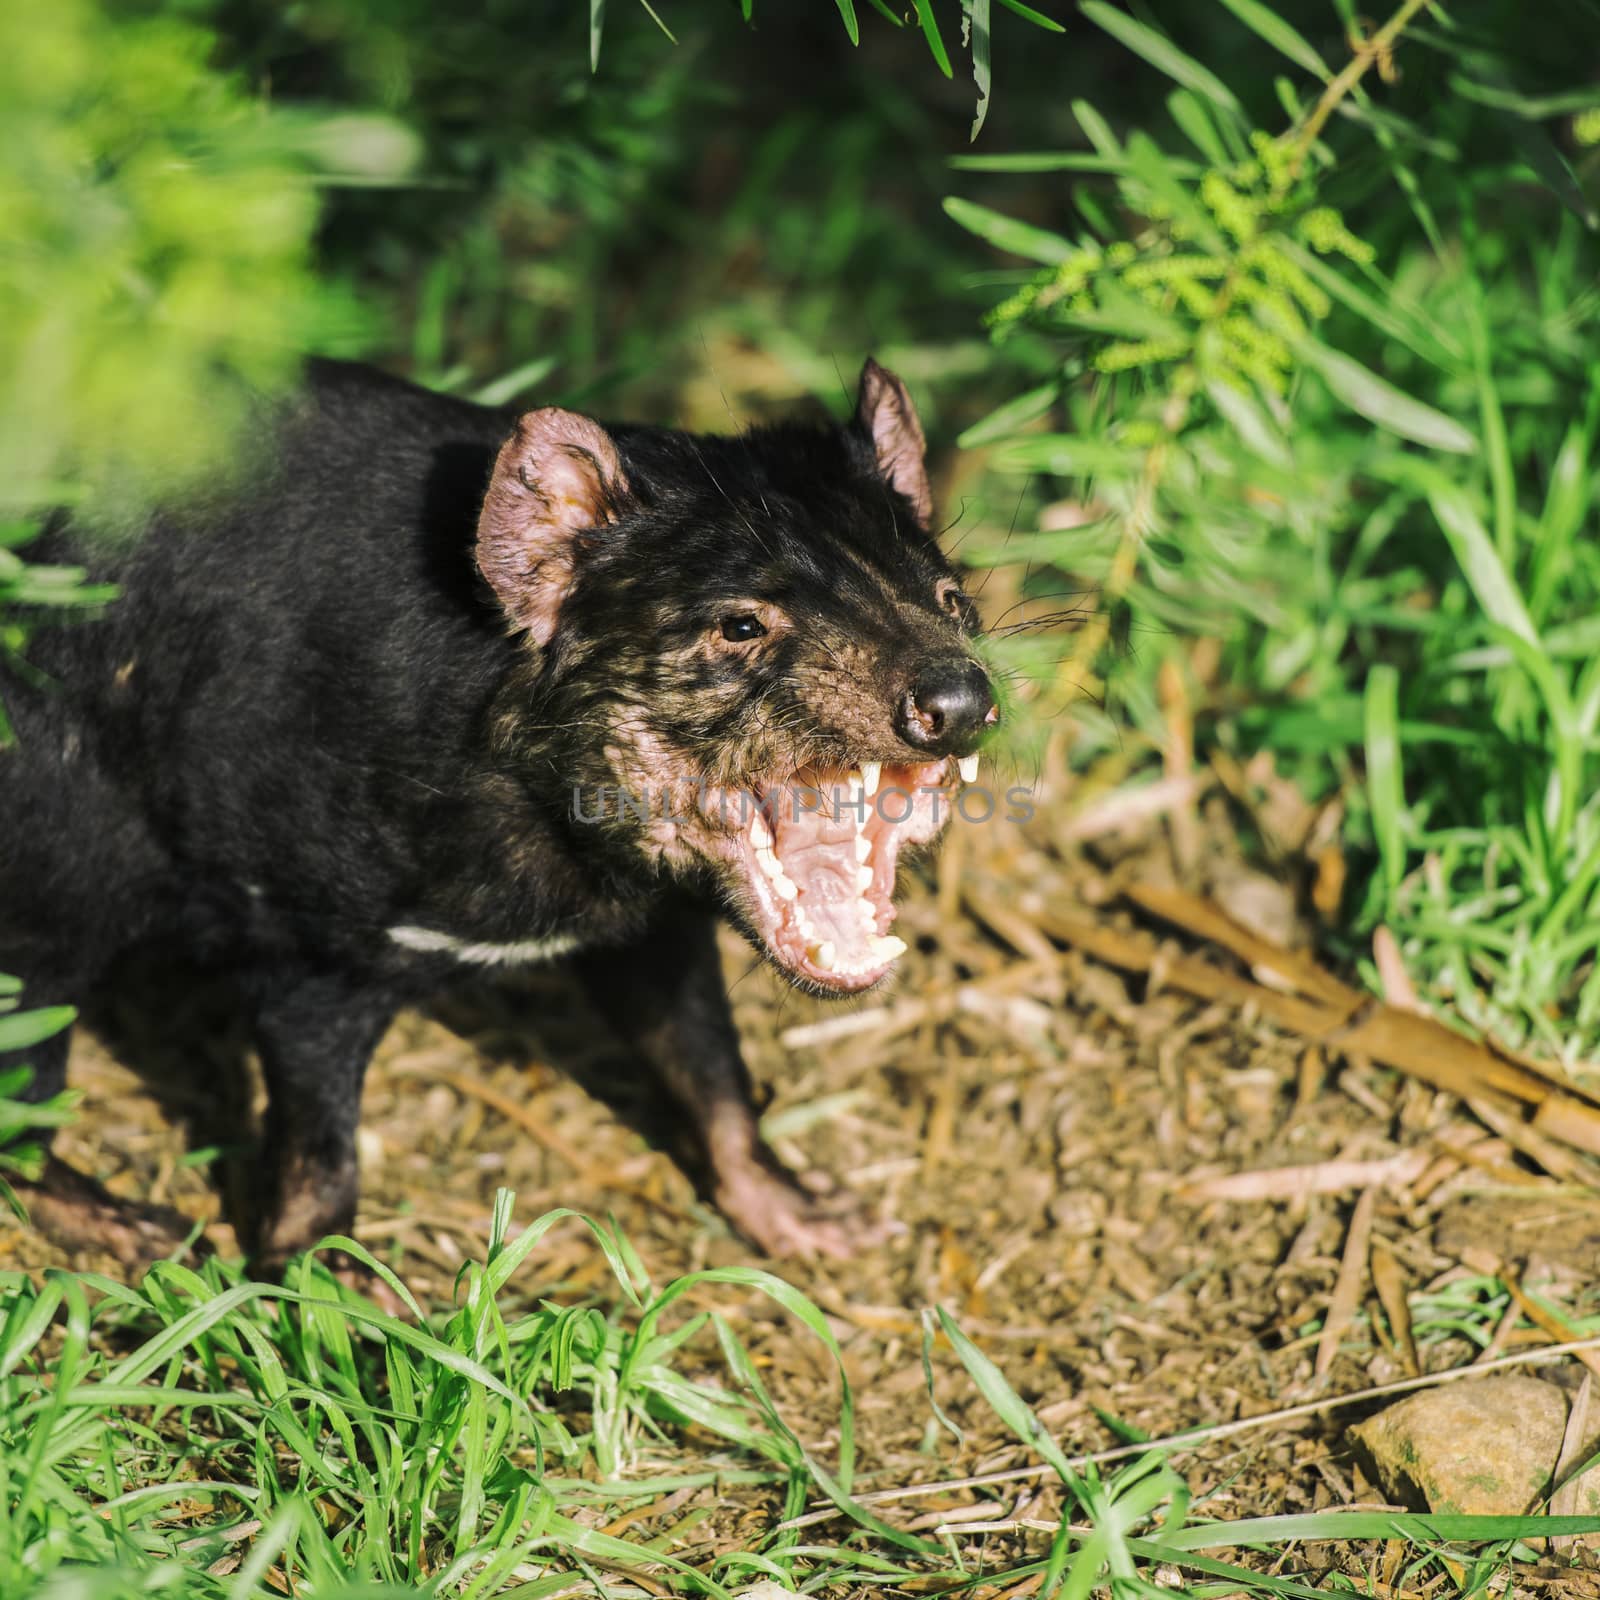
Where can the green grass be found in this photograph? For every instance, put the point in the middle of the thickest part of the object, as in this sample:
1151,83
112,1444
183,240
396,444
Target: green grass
203,1435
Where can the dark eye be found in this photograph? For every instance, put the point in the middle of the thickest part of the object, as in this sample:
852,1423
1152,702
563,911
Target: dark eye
742,628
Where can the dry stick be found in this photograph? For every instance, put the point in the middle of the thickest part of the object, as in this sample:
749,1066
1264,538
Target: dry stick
1346,1295
1388,1278
1542,1317
1356,1024
1564,1502
1199,1436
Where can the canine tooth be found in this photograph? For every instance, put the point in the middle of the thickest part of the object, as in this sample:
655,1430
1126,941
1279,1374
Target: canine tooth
821,955
760,833
767,860
864,877
886,947
967,766
870,773
863,847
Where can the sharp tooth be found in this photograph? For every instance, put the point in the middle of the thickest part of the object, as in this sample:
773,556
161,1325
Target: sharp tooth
886,947
768,861
785,887
967,766
821,955
869,917
870,772
802,921
864,877
863,847
760,833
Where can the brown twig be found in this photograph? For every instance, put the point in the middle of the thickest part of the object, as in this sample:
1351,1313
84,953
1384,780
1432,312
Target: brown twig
1329,1012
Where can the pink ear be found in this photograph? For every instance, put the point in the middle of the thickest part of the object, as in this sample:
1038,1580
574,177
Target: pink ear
556,478
885,411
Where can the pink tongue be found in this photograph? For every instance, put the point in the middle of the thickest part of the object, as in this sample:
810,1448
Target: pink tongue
819,855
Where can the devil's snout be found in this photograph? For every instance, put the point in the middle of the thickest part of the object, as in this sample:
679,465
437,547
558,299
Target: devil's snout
947,709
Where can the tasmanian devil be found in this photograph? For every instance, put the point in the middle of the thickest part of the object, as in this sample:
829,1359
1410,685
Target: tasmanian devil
440,689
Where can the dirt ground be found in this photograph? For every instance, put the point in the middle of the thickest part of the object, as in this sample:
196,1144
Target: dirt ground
1044,1134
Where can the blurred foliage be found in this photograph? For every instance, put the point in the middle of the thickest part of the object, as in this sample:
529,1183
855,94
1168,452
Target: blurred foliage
158,263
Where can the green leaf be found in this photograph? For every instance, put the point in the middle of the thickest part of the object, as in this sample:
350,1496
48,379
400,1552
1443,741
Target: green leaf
1037,18
930,32
1402,322
1069,456
597,23
1492,586
1536,107
1161,53
1280,35
655,17
1014,414
1152,166
1006,1403
1380,402
1190,113
1065,161
1384,792
24,1029
1006,233
982,67
502,390
1552,168
1097,130
1426,1527
1255,428
847,10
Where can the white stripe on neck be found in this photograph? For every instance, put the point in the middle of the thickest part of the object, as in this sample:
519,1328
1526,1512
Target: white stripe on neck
516,953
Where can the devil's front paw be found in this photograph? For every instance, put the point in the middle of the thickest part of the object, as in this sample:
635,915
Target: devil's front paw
769,1207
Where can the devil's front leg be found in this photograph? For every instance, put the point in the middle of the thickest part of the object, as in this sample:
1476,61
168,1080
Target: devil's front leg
316,1035
664,993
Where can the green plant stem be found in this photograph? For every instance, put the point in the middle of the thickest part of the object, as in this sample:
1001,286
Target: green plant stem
1366,53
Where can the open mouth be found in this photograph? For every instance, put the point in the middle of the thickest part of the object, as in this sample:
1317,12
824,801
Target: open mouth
818,853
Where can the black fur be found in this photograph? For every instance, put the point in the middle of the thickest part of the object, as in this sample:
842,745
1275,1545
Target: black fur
305,724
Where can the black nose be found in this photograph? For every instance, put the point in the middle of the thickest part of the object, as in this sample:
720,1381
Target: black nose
947,709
